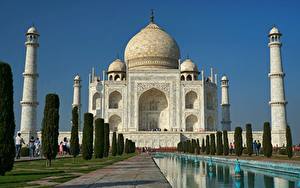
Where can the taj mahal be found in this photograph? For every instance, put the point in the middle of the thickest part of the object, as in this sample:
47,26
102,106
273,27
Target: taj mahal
153,96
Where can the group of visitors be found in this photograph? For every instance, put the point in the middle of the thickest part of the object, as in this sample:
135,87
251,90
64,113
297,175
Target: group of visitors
64,147
256,147
34,146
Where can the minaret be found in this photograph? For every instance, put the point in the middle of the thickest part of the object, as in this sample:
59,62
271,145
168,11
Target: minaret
29,101
226,123
77,98
276,75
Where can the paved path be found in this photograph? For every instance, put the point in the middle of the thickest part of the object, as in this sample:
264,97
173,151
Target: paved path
138,171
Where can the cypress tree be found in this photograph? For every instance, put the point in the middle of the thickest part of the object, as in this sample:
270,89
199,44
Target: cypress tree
238,141
249,139
198,147
99,138
225,140
212,144
207,146
114,144
120,144
50,124
289,142
126,150
267,142
7,120
106,140
74,142
203,146
219,143
87,137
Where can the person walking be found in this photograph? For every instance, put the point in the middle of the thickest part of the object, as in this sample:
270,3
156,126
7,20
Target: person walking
231,148
31,147
258,147
19,142
37,145
255,147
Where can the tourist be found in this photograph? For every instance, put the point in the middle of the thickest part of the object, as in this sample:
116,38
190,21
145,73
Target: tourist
231,148
31,147
19,142
37,145
237,168
258,148
255,147
61,148
65,145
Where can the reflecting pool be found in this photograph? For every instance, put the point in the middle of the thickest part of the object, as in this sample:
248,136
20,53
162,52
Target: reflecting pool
183,172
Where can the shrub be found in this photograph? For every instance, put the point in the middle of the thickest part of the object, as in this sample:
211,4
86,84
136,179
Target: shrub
267,142
207,146
203,146
106,140
212,144
74,142
219,143
7,120
198,147
120,144
282,151
24,152
50,126
289,142
114,144
249,139
238,141
226,145
87,137
99,138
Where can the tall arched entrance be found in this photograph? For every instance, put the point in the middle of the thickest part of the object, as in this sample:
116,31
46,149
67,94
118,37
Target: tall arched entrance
190,123
153,110
115,123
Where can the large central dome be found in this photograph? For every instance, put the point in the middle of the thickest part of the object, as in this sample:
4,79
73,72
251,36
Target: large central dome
152,48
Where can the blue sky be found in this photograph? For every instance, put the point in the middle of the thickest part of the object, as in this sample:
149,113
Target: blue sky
230,36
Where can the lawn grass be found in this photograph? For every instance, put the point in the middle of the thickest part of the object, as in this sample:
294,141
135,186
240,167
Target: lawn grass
62,170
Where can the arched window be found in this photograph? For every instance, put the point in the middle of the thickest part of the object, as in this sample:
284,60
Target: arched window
190,122
210,123
115,123
96,101
117,77
189,78
190,100
115,99
182,78
110,77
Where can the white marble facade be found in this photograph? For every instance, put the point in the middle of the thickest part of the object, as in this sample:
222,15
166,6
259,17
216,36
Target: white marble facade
152,90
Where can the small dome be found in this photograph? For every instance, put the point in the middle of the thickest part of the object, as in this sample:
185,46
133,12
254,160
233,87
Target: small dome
273,31
152,48
224,78
188,66
32,30
117,66
77,77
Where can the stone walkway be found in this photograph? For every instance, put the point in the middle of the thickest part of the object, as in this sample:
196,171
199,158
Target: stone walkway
138,171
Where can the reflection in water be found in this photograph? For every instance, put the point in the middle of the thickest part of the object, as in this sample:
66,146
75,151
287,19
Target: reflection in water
184,173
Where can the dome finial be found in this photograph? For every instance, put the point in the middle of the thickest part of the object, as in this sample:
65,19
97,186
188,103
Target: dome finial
152,16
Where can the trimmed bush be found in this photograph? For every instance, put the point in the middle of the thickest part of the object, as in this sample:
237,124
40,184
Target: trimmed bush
219,143
198,147
267,142
87,137
7,119
289,142
99,138
249,139
114,144
120,144
74,142
238,141
225,145
106,140
50,126
212,144
207,146
24,152
203,146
